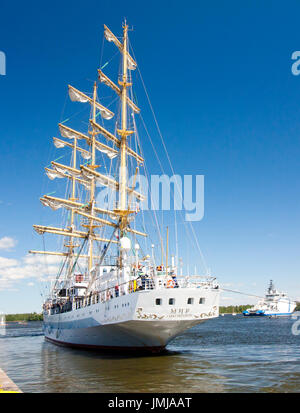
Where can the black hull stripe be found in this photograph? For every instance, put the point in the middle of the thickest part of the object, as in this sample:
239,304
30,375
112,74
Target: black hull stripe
153,349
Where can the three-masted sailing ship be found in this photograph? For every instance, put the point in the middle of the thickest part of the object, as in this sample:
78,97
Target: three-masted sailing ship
108,293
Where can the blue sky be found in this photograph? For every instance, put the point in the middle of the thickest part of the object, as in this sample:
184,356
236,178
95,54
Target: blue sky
219,77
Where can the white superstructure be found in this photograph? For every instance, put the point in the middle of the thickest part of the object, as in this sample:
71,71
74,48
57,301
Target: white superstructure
142,314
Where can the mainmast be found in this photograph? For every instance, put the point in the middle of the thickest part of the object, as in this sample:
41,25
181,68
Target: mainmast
123,131
123,209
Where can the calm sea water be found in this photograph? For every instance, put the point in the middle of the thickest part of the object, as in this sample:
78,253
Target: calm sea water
228,354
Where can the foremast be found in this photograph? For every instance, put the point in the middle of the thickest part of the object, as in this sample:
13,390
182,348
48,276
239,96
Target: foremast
73,198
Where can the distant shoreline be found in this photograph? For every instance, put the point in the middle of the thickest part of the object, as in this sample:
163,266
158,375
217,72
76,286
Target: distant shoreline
25,317
16,318
237,309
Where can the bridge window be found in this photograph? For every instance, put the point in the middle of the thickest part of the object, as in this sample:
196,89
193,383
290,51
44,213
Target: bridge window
158,301
202,300
171,301
190,301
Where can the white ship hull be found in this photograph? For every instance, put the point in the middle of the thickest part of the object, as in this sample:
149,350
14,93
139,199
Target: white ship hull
262,313
133,321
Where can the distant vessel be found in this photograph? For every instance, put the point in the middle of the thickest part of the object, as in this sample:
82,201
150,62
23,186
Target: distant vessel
275,303
108,293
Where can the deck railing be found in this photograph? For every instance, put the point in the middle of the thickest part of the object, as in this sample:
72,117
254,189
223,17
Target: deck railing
129,287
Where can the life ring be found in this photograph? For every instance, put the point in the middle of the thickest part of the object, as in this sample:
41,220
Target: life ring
170,284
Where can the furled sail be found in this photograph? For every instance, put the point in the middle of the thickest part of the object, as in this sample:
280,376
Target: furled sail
58,143
101,179
41,229
110,37
53,174
77,96
112,224
99,129
111,153
131,63
56,203
70,133
110,136
107,181
95,218
85,154
64,169
133,106
104,79
53,204
64,173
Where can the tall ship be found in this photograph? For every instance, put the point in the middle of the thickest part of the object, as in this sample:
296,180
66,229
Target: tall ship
275,303
110,292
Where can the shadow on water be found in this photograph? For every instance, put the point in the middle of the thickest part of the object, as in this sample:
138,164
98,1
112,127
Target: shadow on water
122,354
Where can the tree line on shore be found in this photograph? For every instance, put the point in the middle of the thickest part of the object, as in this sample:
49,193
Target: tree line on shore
233,309
39,316
24,317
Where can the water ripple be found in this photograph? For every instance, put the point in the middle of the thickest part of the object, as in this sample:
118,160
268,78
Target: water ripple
229,354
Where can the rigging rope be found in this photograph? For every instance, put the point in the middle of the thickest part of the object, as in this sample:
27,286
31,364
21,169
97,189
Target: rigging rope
250,295
240,292
169,160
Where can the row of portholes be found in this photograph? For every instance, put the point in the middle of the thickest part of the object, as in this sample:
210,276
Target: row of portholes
123,305
190,301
